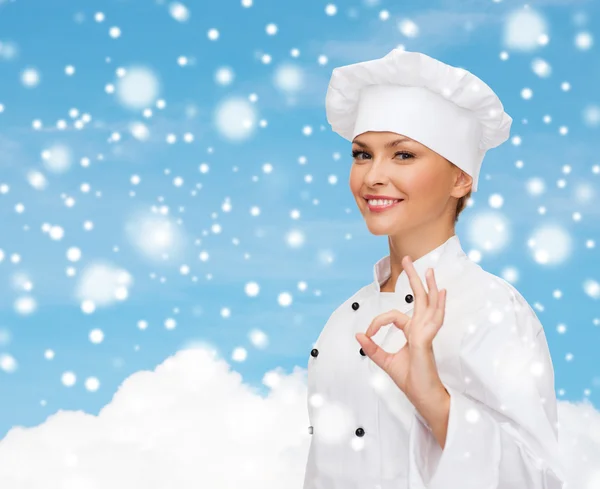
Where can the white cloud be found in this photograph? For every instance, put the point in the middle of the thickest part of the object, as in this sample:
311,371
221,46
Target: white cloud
193,423
579,437
190,423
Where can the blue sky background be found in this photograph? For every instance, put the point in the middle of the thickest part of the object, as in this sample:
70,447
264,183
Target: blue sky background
338,252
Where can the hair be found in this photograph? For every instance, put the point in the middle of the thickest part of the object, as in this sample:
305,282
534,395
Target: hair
461,204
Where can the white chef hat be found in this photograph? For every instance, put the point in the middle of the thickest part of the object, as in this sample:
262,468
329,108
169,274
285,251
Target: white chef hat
445,108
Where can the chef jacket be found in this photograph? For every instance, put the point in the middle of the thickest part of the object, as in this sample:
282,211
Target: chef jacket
492,358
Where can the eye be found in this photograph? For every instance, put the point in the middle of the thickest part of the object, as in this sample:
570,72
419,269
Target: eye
356,153
404,153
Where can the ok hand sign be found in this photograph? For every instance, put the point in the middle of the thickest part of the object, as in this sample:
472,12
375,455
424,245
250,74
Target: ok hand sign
413,367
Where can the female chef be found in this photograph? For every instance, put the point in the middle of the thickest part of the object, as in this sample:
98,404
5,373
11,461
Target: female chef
437,374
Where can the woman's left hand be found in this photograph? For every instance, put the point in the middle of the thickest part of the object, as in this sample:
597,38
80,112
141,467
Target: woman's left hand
412,368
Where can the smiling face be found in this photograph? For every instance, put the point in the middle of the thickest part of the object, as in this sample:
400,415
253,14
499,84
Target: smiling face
392,165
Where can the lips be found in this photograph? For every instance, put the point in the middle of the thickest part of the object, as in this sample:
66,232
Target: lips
383,208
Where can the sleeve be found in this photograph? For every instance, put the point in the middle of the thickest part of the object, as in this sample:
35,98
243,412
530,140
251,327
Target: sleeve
502,426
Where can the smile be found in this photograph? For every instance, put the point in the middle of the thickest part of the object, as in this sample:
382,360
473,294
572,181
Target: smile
382,205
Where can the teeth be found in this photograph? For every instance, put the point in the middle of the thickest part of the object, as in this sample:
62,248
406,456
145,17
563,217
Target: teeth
382,202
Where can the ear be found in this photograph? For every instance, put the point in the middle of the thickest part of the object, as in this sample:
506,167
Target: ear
462,184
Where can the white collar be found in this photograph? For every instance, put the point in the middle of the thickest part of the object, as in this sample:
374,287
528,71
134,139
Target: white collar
443,259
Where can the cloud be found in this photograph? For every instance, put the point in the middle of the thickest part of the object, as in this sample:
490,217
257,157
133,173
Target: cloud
579,437
194,423
190,423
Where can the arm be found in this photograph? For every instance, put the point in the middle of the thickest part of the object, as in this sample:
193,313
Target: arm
502,423
436,417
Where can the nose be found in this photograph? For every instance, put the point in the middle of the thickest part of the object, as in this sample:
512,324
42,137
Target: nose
377,172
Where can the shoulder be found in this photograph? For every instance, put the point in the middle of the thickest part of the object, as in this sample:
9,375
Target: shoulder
339,316
492,299
359,296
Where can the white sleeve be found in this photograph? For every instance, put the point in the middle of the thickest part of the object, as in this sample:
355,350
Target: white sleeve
502,426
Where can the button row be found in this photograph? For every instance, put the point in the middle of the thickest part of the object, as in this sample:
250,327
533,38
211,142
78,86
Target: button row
355,305
314,352
358,432
408,298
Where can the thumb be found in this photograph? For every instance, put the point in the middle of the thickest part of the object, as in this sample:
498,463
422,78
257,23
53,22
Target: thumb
364,341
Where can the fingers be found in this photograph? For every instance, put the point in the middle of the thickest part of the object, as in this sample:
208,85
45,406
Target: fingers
429,310
430,305
426,301
379,356
393,316
433,290
421,300
440,309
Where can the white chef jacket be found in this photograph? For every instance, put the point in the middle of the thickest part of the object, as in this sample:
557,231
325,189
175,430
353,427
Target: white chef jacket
493,359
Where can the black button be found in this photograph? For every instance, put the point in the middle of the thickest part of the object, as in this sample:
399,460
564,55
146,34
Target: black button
360,432
355,305
363,353
314,352
408,298
310,430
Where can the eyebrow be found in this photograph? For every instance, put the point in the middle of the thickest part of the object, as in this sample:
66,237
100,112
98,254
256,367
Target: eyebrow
391,144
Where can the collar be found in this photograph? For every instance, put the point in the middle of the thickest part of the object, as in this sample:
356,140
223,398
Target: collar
444,260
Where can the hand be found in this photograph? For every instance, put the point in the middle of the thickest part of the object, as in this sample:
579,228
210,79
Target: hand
413,367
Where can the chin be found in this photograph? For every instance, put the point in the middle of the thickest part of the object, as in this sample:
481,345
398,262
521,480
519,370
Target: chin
381,230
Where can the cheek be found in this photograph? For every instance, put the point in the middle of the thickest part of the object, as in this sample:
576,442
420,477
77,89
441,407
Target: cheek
355,180
422,181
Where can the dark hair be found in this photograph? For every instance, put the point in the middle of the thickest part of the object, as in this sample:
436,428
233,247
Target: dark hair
461,204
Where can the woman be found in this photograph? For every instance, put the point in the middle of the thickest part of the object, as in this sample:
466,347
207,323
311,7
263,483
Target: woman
437,374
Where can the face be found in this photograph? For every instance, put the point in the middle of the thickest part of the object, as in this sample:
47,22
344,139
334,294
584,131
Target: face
392,165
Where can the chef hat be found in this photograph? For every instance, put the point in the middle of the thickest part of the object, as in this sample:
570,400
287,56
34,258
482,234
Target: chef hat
445,108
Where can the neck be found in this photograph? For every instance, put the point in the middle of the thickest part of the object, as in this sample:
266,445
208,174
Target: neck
414,245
